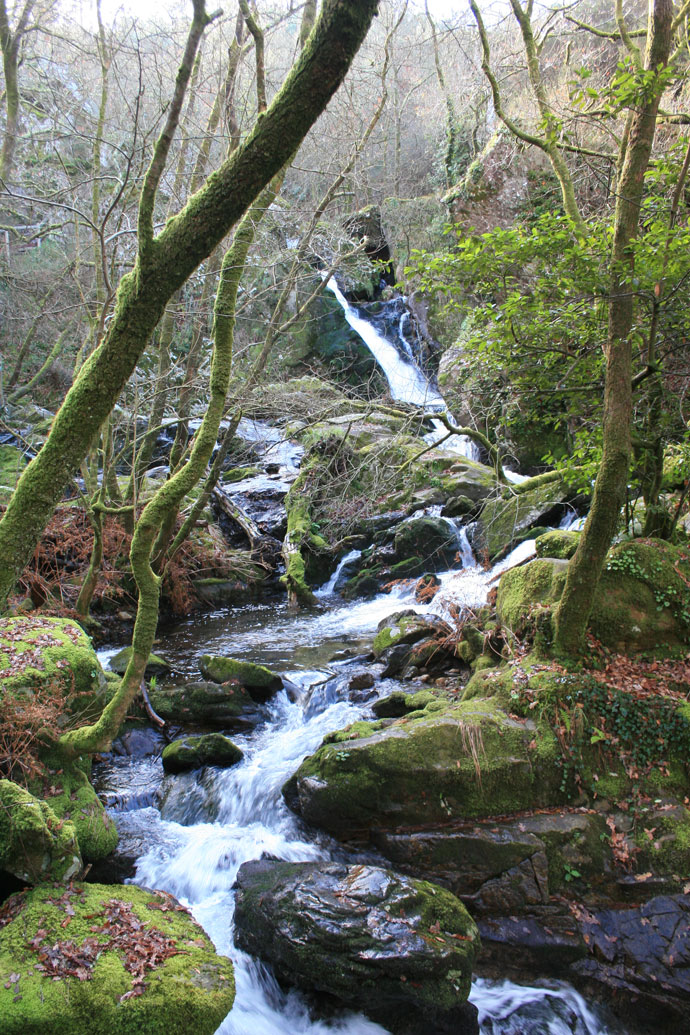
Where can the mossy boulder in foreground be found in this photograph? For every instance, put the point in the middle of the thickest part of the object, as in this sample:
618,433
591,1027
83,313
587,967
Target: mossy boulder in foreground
398,949
72,798
195,752
463,759
105,960
34,844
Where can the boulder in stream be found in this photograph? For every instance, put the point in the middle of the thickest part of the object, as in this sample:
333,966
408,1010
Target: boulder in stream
155,666
195,752
259,681
397,949
203,704
101,959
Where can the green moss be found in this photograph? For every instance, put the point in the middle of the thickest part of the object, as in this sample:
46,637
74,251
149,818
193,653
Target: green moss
557,543
521,589
195,752
191,991
251,676
155,666
471,759
38,652
35,844
12,463
238,474
71,797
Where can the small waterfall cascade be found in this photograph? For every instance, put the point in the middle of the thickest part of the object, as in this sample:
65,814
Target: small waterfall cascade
406,381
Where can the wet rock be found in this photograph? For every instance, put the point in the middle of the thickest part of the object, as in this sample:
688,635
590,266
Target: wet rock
203,704
83,986
642,954
155,666
195,752
361,681
399,950
139,742
259,681
432,540
427,588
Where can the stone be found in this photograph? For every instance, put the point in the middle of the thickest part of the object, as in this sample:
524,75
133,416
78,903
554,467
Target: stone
202,704
69,962
399,950
260,682
38,653
155,666
432,540
557,543
195,752
35,845
408,627
505,519
458,761
73,799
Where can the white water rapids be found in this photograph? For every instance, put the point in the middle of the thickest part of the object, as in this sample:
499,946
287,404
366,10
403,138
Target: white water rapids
209,822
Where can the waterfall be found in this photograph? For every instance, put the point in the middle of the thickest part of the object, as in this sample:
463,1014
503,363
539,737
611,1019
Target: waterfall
406,381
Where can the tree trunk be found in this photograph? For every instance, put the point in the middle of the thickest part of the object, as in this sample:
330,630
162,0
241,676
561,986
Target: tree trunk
584,569
166,263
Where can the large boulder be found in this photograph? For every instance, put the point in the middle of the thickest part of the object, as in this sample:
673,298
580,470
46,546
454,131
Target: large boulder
460,760
505,520
641,602
203,704
48,655
260,682
155,666
100,959
399,950
35,845
195,752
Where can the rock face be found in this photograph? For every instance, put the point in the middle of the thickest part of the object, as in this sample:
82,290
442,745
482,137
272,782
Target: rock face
195,752
399,950
259,681
34,844
504,520
101,959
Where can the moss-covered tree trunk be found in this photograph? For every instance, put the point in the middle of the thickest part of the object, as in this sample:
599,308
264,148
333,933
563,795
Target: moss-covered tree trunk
164,264
584,569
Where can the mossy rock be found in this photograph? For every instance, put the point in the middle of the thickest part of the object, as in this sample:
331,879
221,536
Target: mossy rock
155,666
203,704
662,842
34,844
83,984
72,798
432,540
557,543
407,627
238,474
40,653
643,600
527,586
470,759
503,520
195,752
259,681
641,603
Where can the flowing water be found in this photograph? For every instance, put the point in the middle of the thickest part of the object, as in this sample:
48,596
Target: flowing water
192,832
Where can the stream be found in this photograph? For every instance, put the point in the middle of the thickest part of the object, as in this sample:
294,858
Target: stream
190,833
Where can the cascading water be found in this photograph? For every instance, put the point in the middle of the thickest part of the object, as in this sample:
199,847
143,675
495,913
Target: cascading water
406,381
206,824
